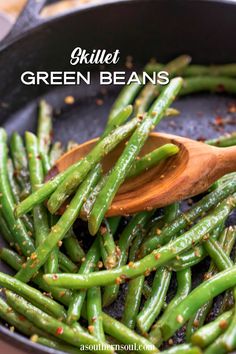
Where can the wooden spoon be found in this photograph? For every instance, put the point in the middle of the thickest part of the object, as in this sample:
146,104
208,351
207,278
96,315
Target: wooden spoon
190,172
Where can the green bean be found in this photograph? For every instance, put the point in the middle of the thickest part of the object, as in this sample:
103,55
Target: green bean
73,248
143,164
146,290
117,120
226,342
133,252
102,148
52,263
55,152
230,236
198,319
223,141
207,334
16,227
125,335
183,289
108,247
200,295
94,313
183,348
132,301
116,329
35,296
41,222
134,228
36,178
16,194
15,261
170,212
18,321
181,222
135,286
52,326
87,206
208,83
66,265
189,259
44,133
154,304
48,188
215,251
151,91
5,232
125,97
14,186
20,162
156,259
152,159
57,345
152,307
11,258
113,327
226,246
87,266
220,182
196,255
58,231
198,70
122,166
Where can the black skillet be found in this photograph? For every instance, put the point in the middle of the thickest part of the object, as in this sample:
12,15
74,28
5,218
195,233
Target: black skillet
144,29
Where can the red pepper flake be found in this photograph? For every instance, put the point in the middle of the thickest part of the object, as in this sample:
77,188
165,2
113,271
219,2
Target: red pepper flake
223,324
219,121
99,102
147,272
59,331
157,256
118,281
55,277
69,100
33,256
103,230
21,318
232,108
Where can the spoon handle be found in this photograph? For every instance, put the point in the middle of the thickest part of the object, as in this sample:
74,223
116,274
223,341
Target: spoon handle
226,159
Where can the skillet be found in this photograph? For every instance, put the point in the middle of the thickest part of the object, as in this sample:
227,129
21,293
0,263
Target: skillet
141,28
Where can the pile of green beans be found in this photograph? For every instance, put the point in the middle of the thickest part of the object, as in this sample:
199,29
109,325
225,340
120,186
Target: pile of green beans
72,287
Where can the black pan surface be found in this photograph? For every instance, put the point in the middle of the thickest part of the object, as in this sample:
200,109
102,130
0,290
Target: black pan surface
143,29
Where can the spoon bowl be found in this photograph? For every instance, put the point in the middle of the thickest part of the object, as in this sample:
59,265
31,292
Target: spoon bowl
184,175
